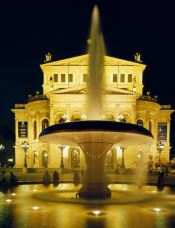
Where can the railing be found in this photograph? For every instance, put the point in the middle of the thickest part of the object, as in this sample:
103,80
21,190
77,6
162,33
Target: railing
165,107
148,98
37,97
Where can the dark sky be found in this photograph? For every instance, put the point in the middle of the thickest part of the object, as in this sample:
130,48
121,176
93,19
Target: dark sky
29,29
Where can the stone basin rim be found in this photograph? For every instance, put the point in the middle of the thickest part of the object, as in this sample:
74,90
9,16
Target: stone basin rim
96,126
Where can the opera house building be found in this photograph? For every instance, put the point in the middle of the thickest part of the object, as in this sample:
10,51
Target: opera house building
64,99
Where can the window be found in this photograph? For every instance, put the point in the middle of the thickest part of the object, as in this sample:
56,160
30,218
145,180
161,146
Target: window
63,77
75,158
122,78
70,77
45,124
84,77
140,123
109,159
62,120
22,129
55,76
121,118
129,77
114,77
45,158
34,130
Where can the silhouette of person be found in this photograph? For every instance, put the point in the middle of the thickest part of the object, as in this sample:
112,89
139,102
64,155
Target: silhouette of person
13,178
46,178
56,178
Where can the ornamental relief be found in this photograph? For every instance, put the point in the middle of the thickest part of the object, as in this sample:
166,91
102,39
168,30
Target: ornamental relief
107,61
81,62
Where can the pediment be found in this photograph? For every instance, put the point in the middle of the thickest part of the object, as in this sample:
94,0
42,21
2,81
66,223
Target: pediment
83,61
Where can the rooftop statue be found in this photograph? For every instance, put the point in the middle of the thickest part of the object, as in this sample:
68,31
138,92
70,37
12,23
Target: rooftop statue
137,57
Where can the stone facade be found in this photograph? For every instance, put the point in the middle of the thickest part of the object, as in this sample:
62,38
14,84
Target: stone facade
64,99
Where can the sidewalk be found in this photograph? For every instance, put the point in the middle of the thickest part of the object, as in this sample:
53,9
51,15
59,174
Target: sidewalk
36,177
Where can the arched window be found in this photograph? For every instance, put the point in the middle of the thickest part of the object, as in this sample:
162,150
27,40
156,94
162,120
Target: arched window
121,118
140,123
34,129
140,158
150,126
62,120
109,159
45,158
76,117
109,116
45,124
75,158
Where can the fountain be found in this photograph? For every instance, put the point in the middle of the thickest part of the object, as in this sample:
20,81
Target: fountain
21,206
95,136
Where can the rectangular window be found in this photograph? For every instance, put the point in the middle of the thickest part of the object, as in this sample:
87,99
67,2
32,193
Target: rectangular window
63,77
114,77
84,77
122,78
22,129
129,77
55,76
70,77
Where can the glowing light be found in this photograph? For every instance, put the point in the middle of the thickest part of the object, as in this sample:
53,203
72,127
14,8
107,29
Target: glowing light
96,212
119,152
153,191
35,208
83,116
8,200
157,209
65,116
13,194
34,190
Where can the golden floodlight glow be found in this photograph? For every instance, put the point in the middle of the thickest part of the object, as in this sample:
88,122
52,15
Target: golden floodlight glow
8,200
34,190
96,212
157,209
13,194
35,208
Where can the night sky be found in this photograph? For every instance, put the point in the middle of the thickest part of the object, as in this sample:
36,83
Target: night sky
30,29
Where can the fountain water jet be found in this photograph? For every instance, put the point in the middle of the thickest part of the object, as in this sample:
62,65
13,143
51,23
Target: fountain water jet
95,137
96,69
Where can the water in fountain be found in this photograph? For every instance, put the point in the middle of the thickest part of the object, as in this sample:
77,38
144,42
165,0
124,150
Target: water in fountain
96,69
95,137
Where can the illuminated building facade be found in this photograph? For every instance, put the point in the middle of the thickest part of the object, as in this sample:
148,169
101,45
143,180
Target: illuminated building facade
64,99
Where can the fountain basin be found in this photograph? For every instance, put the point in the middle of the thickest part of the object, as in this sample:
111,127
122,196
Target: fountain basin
95,138
75,133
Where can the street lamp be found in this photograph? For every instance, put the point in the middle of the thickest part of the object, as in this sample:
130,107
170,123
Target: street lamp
25,147
160,148
61,162
123,159
45,159
2,148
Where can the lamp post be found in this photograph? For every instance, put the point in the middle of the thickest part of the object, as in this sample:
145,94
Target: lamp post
45,159
25,147
62,162
160,148
2,148
123,159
